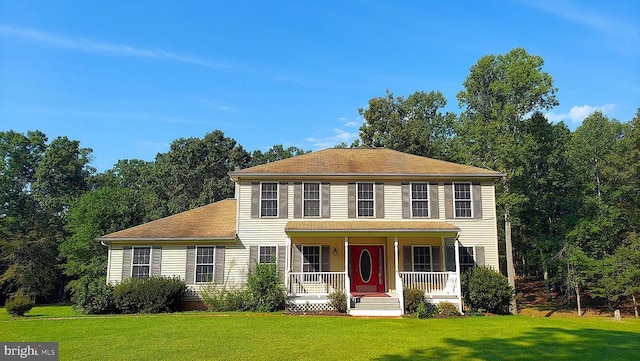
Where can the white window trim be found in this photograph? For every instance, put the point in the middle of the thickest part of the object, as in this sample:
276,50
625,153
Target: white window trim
319,200
196,264
319,257
413,258
453,191
277,200
428,199
150,258
275,255
373,184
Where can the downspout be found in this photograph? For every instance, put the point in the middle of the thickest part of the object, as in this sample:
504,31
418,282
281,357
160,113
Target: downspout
458,281
108,260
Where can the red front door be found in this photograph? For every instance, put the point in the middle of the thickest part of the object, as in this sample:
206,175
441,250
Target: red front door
367,268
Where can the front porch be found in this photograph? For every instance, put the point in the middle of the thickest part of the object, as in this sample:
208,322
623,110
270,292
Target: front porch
372,269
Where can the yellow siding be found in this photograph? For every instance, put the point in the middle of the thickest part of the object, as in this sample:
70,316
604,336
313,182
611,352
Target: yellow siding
392,201
115,271
174,261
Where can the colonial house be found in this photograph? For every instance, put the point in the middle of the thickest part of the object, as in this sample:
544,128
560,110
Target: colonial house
370,222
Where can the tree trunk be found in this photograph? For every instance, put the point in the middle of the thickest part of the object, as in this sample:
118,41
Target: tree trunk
635,306
511,272
545,273
578,301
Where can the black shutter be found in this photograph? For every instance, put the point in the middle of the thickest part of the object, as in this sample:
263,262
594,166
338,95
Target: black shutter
379,194
126,263
450,258
156,263
351,198
437,259
406,259
478,256
476,194
406,200
191,265
297,200
296,264
255,200
326,254
448,200
253,256
326,201
434,204
283,202
219,265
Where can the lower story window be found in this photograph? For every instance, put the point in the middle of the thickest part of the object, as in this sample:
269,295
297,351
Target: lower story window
310,258
466,258
204,264
421,259
267,254
141,262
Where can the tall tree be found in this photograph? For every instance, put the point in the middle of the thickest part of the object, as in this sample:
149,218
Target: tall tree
275,153
498,93
414,125
595,151
194,172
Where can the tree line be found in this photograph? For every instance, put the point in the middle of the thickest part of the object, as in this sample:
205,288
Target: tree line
568,205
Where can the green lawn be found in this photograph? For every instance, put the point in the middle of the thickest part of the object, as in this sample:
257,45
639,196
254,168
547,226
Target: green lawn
209,336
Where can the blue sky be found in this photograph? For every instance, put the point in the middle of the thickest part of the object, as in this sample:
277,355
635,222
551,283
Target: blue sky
128,77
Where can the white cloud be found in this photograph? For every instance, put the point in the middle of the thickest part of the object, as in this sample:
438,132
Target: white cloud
218,106
339,136
577,113
98,47
577,12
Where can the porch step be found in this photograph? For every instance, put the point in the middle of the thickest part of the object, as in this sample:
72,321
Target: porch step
376,306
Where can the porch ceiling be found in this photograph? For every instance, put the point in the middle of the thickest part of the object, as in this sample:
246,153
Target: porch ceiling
361,226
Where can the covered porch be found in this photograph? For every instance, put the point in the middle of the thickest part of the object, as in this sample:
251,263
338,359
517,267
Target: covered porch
372,262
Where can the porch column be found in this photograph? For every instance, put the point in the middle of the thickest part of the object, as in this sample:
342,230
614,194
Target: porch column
458,282
347,281
399,286
287,265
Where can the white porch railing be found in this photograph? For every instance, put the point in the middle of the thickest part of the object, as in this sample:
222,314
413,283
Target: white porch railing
430,282
315,283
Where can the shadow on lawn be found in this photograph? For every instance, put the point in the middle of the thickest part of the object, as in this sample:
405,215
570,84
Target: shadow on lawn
536,344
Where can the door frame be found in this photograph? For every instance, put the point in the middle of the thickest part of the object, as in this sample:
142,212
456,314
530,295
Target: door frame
383,248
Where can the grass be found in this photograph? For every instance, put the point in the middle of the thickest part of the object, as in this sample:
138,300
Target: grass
240,336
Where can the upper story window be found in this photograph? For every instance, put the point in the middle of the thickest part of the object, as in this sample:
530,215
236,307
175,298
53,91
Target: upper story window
141,262
269,199
311,199
204,264
420,200
267,254
365,200
462,200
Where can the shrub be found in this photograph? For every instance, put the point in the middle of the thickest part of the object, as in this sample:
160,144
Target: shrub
486,290
92,296
426,310
448,309
264,284
19,304
338,300
149,295
219,299
413,297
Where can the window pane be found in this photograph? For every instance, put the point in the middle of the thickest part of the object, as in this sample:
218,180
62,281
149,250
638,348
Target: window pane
419,191
365,190
204,264
311,200
269,203
140,271
142,255
310,258
365,208
421,259
267,254
462,200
